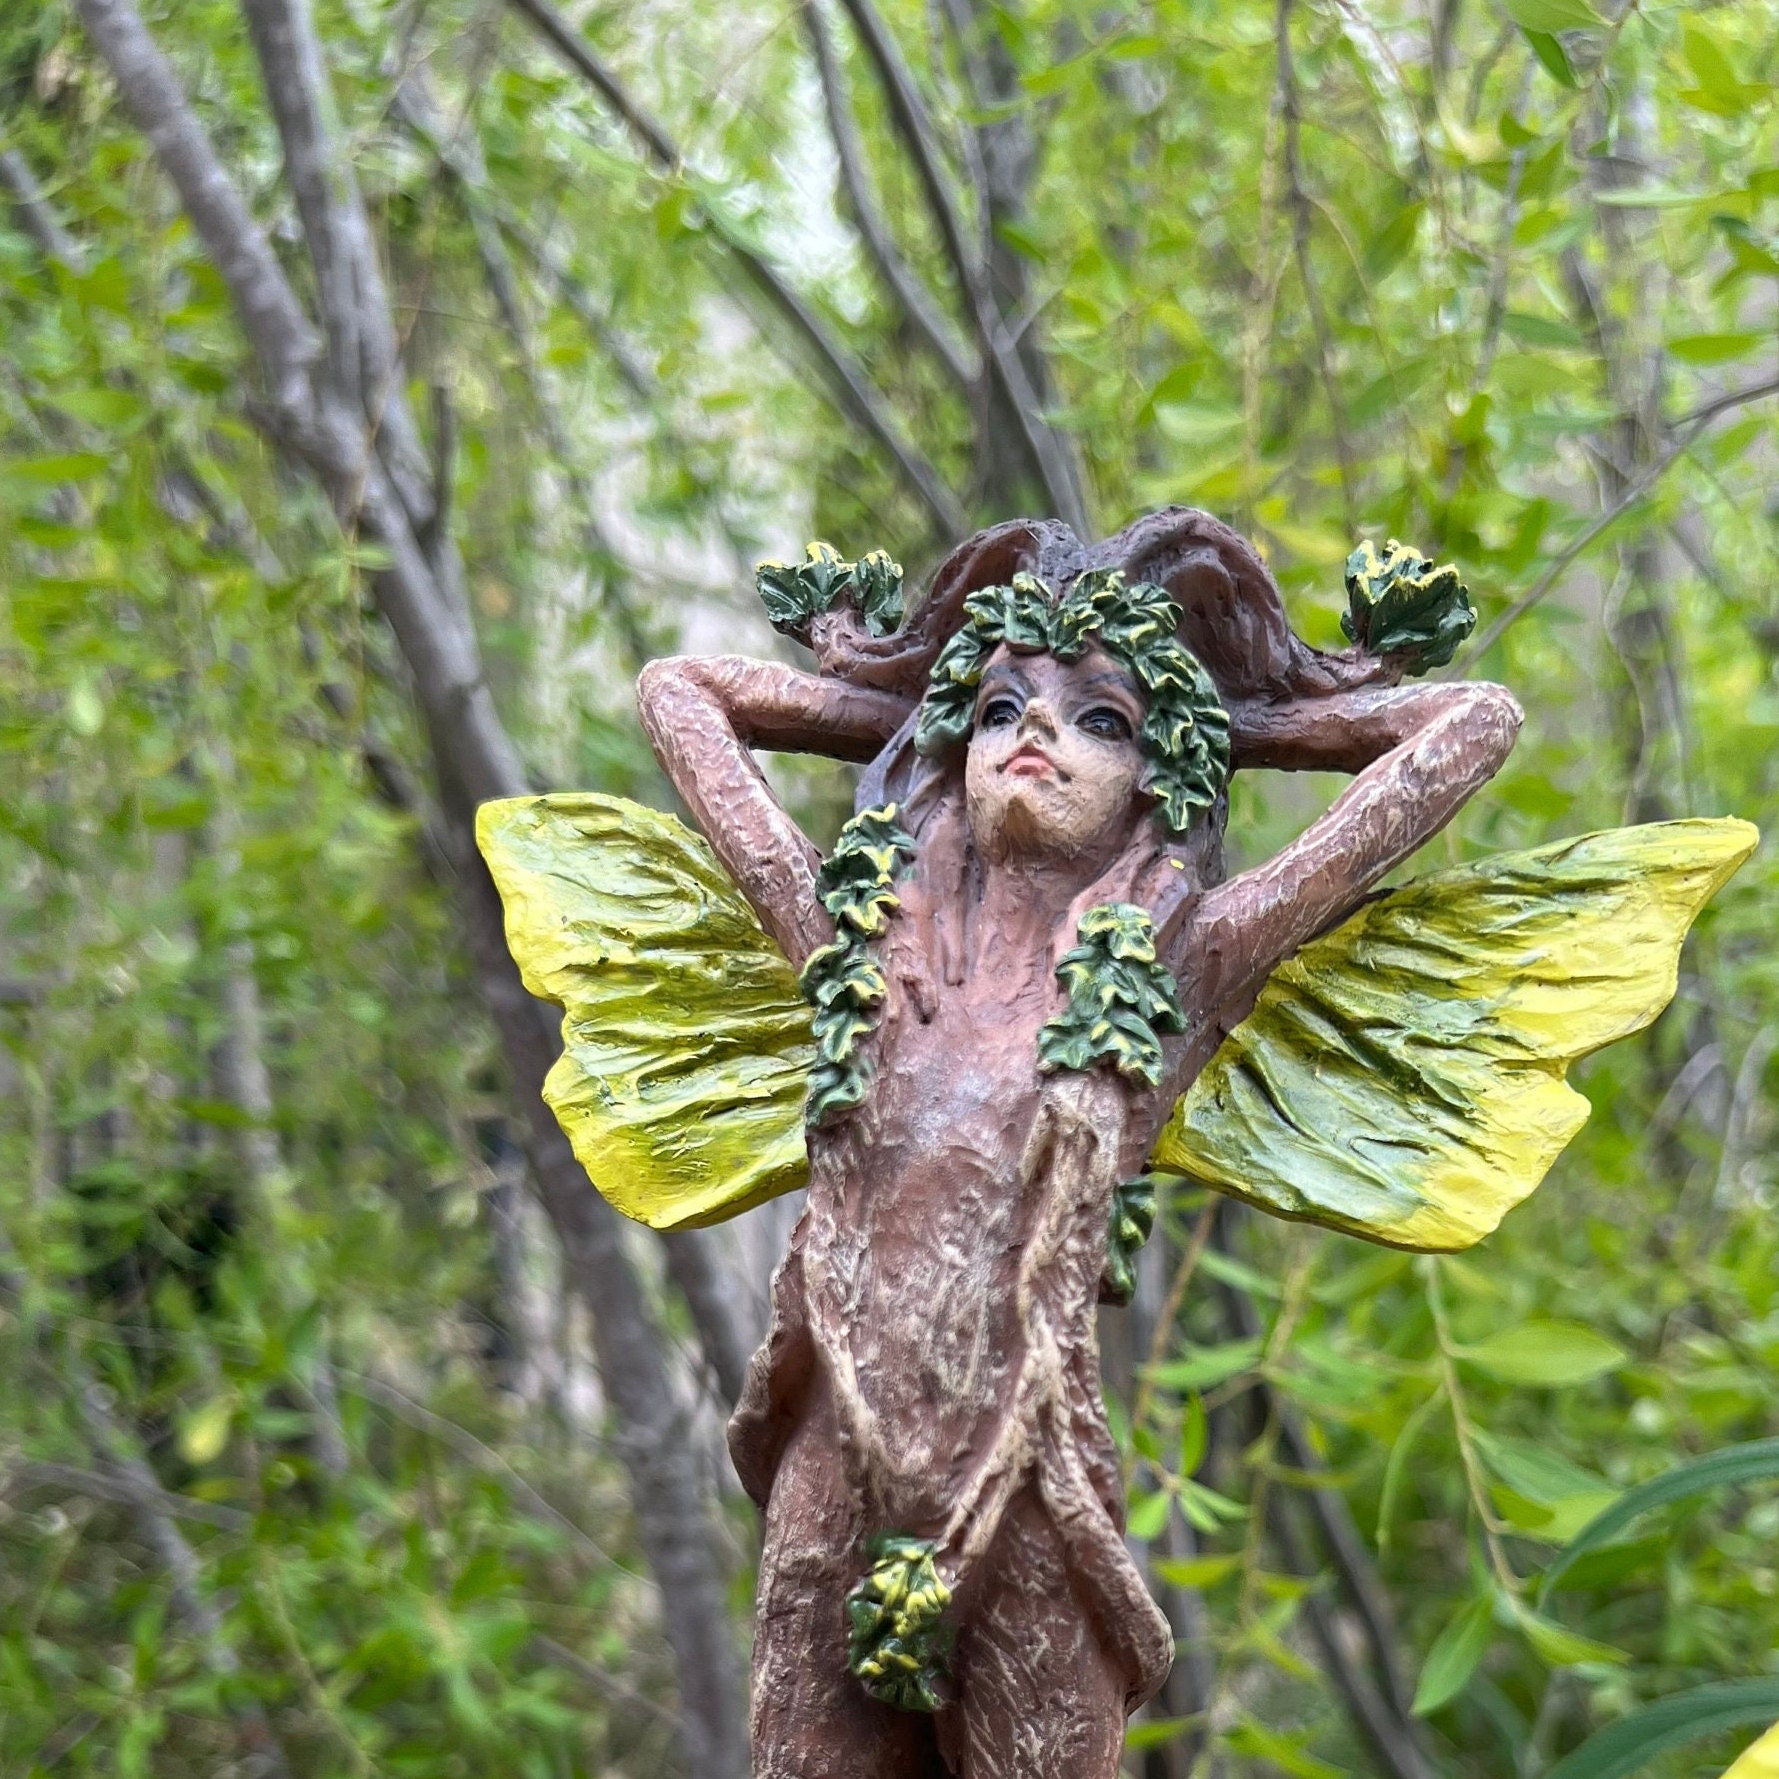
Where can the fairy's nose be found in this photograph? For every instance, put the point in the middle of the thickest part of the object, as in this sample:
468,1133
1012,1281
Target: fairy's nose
1037,719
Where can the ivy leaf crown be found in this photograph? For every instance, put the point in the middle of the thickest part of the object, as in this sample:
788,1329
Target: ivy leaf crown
1185,733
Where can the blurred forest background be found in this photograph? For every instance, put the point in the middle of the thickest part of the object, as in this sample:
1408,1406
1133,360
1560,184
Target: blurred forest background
383,381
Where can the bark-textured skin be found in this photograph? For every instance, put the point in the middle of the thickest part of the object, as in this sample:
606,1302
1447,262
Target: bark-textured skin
931,1369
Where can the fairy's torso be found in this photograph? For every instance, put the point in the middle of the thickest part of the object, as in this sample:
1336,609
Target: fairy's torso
924,1205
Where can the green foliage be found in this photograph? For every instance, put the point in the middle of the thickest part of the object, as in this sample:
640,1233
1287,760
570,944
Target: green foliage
1128,1227
1400,604
1755,1461
793,593
1634,1742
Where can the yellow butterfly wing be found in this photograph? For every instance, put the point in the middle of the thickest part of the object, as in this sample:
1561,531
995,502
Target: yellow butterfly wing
686,1046
1761,1761
1403,1077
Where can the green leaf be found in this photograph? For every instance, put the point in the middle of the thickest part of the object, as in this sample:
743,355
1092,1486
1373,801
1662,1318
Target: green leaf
1284,1752
1563,1648
103,406
204,1432
1205,1508
1552,56
1552,15
1756,1461
1196,1572
1230,1271
1545,1354
1454,1657
64,466
1715,348
1194,1435
1397,1463
1541,330
1157,1731
1394,241
1148,1516
85,707
1634,1741
1537,1472
1208,1366
1710,66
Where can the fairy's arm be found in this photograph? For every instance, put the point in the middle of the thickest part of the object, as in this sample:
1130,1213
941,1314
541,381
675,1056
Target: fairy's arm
704,715
1419,754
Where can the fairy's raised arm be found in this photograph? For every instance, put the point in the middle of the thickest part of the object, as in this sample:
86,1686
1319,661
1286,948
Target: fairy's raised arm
705,715
1419,753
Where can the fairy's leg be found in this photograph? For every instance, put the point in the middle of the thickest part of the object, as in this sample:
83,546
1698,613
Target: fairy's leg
1038,1697
811,1719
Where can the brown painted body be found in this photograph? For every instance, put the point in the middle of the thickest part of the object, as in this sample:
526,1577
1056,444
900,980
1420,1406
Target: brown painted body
932,1366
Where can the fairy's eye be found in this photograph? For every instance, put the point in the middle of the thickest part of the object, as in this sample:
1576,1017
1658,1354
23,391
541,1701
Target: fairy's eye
998,713
1104,723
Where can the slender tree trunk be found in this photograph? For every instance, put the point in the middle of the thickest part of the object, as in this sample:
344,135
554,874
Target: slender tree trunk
314,412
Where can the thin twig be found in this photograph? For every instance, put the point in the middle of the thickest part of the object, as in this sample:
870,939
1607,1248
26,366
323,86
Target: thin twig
466,1445
602,1680
1691,426
852,389
39,1473
1290,115
1170,1310
271,1595
1043,444
898,277
1474,1479
36,212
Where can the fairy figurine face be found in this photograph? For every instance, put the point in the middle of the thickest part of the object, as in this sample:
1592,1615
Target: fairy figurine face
1055,765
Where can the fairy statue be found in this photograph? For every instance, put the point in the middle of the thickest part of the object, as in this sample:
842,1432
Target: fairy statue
1021,984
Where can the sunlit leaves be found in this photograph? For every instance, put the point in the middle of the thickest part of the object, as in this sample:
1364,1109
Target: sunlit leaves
1551,1354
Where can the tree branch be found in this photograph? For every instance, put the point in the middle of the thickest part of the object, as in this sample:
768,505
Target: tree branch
898,278
39,220
852,391
1043,445
464,169
474,760
693,1265
1389,1732
38,1473
1291,117
363,360
273,320
1691,425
